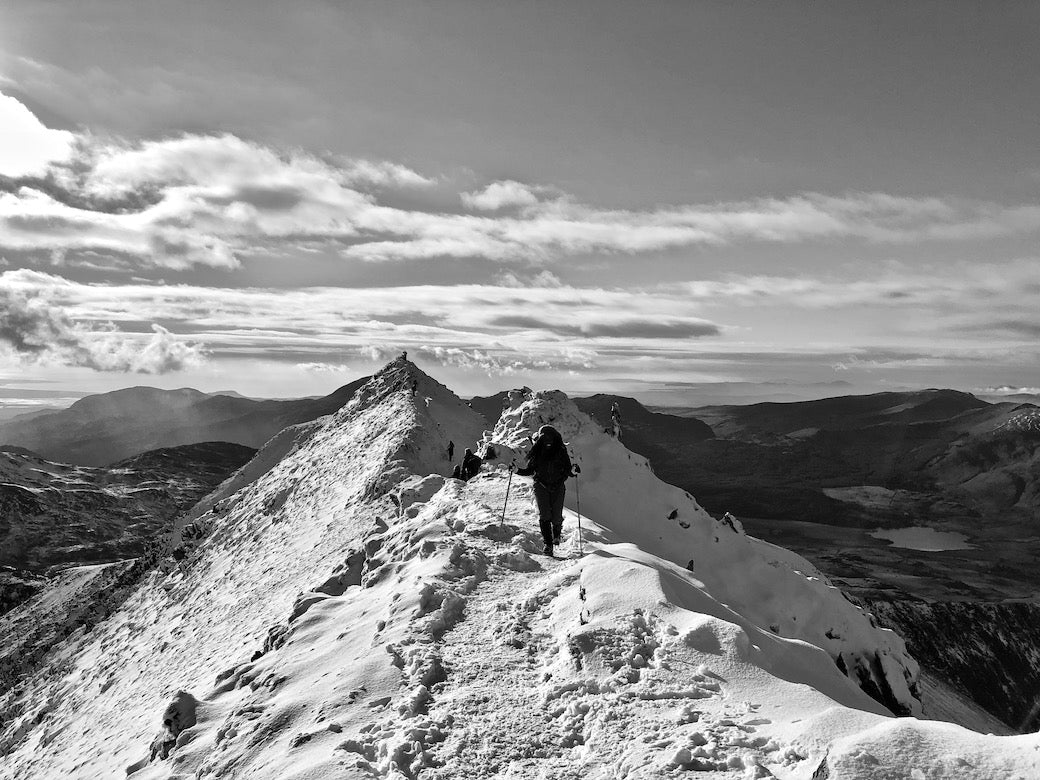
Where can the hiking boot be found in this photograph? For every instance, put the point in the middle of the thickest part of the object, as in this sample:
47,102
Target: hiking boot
548,550
556,540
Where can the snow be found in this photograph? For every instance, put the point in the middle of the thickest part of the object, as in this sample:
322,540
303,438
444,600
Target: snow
352,612
775,590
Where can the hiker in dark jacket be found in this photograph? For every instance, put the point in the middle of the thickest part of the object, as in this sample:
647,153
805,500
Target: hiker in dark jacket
550,465
470,464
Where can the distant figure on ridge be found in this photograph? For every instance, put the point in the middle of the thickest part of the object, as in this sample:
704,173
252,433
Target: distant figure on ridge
470,464
550,465
451,450
615,420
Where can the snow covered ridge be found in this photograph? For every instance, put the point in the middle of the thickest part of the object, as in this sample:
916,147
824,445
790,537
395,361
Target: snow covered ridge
765,586
351,612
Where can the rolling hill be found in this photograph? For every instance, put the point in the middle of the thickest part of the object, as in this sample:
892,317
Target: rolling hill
101,429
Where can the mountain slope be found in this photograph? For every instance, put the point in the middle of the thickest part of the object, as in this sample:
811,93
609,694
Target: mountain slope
354,613
59,514
100,429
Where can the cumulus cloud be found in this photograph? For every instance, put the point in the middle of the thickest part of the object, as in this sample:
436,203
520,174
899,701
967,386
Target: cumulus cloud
324,368
28,146
500,194
207,200
37,330
383,174
162,353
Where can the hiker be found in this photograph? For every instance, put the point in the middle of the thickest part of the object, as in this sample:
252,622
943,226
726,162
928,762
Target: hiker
415,386
451,449
550,465
615,421
470,464
456,472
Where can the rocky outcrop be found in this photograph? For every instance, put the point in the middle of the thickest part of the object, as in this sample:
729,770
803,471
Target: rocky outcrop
18,585
179,716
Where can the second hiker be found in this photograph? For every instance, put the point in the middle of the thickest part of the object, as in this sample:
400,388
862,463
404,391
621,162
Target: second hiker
550,465
470,464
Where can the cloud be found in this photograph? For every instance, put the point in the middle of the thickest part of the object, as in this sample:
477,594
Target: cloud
324,368
383,174
947,285
39,331
28,146
652,328
1008,390
535,332
625,327
543,278
1016,328
209,200
500,194
503,361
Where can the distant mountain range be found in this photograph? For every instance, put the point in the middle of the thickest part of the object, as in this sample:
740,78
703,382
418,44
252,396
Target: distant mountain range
770,459
100,429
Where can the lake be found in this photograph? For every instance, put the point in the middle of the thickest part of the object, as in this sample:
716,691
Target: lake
921,537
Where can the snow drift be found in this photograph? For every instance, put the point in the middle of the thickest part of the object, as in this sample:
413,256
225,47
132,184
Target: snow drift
345,610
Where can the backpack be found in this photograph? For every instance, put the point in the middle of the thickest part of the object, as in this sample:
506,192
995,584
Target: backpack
554,468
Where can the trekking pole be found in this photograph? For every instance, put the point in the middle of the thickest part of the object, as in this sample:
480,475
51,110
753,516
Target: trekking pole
508,485
577,498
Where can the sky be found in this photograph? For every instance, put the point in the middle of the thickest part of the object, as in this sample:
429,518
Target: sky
643,198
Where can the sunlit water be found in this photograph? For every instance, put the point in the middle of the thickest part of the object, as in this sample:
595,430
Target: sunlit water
921,537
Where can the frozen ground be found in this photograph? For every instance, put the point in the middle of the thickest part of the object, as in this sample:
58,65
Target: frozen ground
353,613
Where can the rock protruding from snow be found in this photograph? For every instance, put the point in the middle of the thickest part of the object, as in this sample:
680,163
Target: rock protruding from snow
178,716
769,587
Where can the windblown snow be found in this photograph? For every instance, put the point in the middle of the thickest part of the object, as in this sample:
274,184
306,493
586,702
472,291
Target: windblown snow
345,609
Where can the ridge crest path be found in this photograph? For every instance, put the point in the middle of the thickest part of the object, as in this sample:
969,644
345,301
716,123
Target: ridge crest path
529,699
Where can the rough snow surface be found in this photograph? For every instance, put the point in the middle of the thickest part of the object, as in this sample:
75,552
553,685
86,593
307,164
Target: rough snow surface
353,613
768,587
